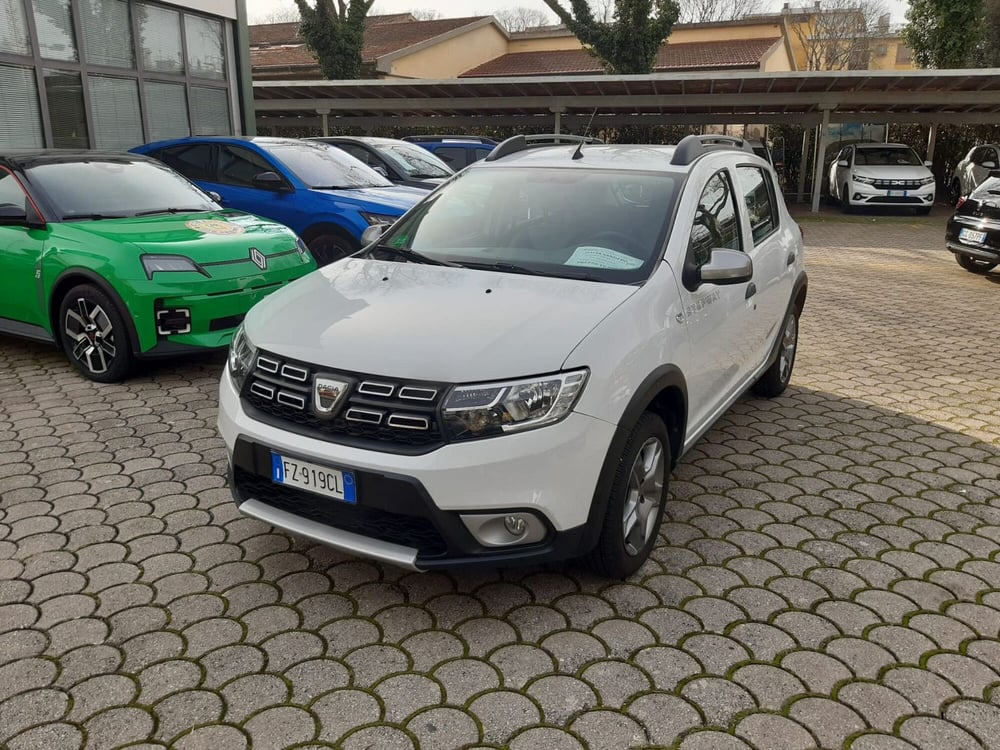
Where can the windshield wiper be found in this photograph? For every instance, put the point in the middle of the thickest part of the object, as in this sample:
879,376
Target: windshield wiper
155,211
514,268
93,217
413,255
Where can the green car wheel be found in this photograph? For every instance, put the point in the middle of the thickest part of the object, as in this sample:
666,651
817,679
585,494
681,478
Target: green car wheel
94,335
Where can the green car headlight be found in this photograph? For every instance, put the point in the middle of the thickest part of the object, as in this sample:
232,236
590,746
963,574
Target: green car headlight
242,355
475,411
169,263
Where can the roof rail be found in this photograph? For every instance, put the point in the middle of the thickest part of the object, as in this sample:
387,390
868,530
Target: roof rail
522,142
443,138
693,146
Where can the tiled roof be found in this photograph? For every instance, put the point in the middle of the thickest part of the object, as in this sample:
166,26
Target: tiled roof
279,44
732,53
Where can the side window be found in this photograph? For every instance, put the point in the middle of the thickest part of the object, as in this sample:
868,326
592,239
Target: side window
758,196
716,223
452,156
359,153
193,161
238,166
482,153
13,201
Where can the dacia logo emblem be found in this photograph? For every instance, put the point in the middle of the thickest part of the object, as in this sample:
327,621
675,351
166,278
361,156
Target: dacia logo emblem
327,395
258,258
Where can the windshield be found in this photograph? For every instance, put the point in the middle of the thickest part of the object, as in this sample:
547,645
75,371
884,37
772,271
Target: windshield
886,157
413,161
320,165
576,223
92,188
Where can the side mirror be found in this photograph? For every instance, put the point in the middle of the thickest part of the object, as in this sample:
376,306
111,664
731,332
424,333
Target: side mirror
271,181
726,267
843,163
381,170
928,164
990,164
372,233
215,196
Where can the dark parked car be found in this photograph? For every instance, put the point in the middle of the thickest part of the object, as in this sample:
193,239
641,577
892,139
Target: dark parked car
457,151
973,233
402,162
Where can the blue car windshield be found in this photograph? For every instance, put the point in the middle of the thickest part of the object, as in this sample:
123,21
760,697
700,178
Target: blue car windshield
599,224
319,165
413,161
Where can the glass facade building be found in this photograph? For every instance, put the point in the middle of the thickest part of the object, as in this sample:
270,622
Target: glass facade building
112,74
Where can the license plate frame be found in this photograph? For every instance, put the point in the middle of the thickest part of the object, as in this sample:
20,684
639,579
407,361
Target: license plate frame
325,481
898,193
972,235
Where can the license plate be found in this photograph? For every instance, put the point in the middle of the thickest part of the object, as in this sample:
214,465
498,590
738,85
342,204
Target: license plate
970,235
898,193
321,480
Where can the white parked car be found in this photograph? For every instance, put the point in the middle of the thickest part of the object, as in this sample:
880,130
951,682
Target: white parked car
881,174
510,371
974,170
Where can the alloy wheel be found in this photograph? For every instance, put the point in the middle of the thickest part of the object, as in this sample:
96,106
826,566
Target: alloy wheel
90,328
789,341
645,493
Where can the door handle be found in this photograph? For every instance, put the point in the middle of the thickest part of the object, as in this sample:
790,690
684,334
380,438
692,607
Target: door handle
790,259
751,290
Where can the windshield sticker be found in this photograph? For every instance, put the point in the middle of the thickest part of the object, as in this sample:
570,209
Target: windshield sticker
602,257
213,226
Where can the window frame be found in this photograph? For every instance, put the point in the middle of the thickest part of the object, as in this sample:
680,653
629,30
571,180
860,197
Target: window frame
690,268
217,171
213,158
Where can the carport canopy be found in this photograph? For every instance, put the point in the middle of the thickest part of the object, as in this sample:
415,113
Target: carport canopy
809,98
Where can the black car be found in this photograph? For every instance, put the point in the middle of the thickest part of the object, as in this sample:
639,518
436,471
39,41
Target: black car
401,162
973,233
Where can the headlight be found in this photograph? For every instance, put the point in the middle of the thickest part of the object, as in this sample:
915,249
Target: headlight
161,263
927,181
241,357
377,218
474,411
302,247
863,180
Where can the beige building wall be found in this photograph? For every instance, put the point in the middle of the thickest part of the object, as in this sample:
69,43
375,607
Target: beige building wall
544,44
777,60
451,57
891,53
720,33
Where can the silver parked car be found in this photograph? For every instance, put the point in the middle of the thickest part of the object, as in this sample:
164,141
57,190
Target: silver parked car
973,170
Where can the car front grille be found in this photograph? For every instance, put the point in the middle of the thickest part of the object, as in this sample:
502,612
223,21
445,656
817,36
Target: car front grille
374,410
897,184
416,532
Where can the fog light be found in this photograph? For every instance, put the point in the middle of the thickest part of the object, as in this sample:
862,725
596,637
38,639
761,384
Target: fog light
174,320
504,529
515,525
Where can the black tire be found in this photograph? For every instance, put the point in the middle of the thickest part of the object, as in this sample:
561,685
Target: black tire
613,556
955,191
845,201
776,378
329,245
94,334
975,265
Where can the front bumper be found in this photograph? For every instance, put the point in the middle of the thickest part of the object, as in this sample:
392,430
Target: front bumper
868,195
410,507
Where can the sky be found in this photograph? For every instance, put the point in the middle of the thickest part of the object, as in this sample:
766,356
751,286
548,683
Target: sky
259,9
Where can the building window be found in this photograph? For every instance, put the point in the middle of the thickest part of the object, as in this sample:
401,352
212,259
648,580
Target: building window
114,104
54,25
210,111
904,55
14,29
204,47
166,110
64,94
160,39
20,118
107,33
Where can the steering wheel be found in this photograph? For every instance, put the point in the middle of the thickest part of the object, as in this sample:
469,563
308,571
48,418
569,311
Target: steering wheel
615,240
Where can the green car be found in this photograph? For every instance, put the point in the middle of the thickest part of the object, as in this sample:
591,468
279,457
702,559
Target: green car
116,257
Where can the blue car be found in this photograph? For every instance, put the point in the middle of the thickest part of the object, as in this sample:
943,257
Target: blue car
325,195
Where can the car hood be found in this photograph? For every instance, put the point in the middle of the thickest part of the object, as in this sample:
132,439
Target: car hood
893,172
203,237
399,197
424,322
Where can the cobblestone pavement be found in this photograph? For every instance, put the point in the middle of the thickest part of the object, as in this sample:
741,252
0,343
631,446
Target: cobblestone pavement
828,576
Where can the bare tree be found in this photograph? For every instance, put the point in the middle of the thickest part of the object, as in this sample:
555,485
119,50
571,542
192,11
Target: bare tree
838,35
284,14
521,18
706,11
425,15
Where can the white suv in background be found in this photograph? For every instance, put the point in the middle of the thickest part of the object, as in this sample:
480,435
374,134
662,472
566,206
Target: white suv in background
510,372
881,174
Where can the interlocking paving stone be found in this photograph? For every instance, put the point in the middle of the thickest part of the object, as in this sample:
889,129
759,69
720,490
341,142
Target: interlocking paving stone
825,576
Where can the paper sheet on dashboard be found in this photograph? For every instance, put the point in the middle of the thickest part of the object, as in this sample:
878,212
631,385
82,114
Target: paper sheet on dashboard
591,256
